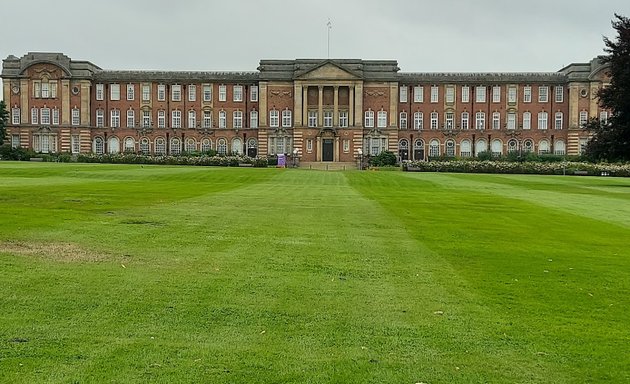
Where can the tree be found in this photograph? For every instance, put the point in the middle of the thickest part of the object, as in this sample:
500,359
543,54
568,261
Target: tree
4,120
611,138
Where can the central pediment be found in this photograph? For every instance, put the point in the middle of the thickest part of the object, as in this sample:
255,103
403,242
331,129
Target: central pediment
327,70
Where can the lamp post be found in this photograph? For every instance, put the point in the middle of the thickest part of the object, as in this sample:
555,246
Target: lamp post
295,155
360,153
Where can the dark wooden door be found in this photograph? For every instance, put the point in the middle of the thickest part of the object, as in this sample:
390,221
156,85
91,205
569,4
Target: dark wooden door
328,152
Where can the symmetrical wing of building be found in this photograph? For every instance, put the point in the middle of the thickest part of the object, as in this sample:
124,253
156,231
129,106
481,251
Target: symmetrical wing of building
319,110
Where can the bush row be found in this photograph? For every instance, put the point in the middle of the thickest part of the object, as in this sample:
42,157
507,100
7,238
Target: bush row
527,167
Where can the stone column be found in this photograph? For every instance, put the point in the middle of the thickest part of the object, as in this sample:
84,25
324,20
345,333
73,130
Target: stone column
297,105
305,108
319,148
336,107
65,102
320,107
358,105
351,107
337,149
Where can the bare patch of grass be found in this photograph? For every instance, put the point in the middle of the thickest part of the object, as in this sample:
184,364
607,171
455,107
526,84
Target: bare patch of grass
62,252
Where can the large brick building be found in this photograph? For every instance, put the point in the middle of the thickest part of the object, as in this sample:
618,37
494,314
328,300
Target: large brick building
321,110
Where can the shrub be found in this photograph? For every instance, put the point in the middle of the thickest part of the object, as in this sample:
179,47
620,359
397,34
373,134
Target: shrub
383,159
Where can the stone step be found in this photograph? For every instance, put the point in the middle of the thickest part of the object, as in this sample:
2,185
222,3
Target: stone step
328,165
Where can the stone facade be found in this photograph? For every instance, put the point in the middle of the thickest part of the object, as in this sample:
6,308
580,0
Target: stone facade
319,110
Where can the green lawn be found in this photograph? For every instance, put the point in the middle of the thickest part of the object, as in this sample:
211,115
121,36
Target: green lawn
127,274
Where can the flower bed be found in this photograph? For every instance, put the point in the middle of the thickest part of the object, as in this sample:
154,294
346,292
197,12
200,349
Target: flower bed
488,166
203,160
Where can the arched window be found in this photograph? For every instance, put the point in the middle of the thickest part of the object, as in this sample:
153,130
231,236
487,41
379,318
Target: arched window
144,146
160,146
191,145
528,145
403,144
497,147
543,147
512,145
113,145
130,145
222,146
559,148
481,146
176,146
449,148
206,145
99,147
465,149
237,146
434,148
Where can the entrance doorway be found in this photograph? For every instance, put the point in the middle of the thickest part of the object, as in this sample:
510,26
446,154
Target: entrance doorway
328,152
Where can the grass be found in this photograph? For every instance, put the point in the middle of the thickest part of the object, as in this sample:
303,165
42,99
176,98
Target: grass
126,274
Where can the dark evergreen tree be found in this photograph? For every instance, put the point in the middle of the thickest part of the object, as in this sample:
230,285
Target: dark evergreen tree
4,120
611,139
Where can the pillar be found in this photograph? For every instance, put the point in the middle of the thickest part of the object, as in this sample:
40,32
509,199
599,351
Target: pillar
336,107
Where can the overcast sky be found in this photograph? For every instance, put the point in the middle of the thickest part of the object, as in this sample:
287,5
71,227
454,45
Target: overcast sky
424,36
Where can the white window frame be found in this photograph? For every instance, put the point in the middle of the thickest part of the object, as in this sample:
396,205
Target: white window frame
237,119
222,92
328,119
131,118
114,92
511,120
44,116
512,93
237,93
465,121
480,94
496,120
253,93
15,116
100,91
161,118
312,119
131,92
253,119
558,120
146,118
449,120
287,118
114,118
418,94
543,120
583,118
161,92
527,120
465,94
434,118
222,119
55,116
176,92
207,119
343,119
527,94
381,121
450,95
176,118
480,120
192,118
418,120
274,118
75,116
543,94
146,92
207,92
402,120
496,94
402,94
100,118
559,93
192,92
369,119
435,93
75,143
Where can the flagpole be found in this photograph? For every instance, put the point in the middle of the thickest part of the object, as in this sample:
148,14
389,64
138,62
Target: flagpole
329,24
